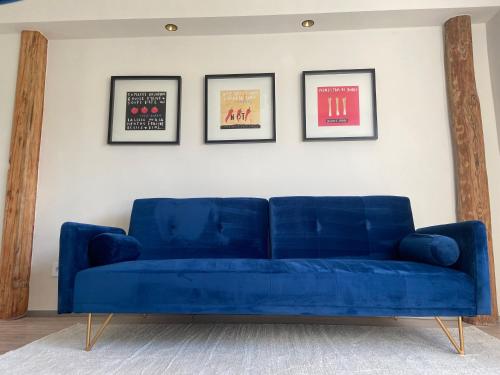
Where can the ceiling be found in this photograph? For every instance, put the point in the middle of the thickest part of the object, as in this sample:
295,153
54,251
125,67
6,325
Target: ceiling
68,19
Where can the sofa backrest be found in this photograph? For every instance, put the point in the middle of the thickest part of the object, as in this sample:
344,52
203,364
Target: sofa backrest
201,227
328,227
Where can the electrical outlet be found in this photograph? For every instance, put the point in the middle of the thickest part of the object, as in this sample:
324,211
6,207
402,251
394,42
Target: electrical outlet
55,269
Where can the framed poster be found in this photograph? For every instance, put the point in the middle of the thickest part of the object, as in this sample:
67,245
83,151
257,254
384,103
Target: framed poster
144,110
339,105
240,108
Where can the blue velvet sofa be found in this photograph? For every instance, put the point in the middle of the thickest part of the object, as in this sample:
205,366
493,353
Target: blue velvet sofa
326,256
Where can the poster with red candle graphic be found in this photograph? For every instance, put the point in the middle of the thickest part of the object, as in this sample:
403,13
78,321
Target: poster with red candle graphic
338,106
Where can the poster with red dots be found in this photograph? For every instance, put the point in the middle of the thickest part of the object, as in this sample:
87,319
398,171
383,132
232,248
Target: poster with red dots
145,110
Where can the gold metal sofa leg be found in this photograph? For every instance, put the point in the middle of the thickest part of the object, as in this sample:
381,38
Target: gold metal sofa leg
460,346
90,341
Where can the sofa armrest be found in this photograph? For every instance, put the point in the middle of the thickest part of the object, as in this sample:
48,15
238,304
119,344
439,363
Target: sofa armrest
472,240
73,257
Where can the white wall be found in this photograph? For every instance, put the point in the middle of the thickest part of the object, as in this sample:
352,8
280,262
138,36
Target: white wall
83,179
9,45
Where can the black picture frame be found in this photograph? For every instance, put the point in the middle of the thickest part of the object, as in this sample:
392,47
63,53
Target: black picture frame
110,140
237,76
371,71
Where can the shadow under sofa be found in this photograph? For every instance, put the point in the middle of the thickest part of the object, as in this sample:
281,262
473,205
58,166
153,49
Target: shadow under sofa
319,256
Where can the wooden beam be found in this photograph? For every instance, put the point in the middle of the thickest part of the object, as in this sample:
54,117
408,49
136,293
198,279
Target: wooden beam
473,200
15,257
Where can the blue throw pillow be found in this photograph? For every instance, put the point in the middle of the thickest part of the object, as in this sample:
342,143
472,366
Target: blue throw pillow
108,248
429,248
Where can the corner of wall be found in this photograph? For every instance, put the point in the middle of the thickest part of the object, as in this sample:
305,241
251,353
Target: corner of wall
8,77
493,41
486,57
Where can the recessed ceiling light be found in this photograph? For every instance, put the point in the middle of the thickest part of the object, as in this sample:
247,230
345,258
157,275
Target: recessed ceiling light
307,23
170,27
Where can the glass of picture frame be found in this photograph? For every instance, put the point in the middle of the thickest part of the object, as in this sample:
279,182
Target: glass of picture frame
144,110
240,108
339,105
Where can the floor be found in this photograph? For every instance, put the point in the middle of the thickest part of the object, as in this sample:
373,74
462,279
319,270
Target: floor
16,333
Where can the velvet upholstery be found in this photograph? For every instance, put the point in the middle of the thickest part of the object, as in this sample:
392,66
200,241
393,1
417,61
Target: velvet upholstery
266,286
201,227
429,248
109,248
73,257
472,240
326,227
330,256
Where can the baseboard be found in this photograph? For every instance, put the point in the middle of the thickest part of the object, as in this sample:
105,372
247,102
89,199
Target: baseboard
41,313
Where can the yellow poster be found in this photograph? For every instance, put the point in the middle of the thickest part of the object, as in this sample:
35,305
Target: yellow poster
240,109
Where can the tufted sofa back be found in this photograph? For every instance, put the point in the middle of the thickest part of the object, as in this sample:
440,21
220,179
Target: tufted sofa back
201,227
329,227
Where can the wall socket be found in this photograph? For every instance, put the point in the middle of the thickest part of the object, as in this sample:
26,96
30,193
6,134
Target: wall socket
55,269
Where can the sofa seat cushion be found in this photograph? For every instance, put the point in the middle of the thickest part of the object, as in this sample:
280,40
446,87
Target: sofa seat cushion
273,286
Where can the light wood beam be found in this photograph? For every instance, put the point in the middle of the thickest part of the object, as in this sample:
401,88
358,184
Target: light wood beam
473,201
15,257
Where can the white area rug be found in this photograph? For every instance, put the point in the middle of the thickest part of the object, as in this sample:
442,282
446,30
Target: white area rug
255,349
